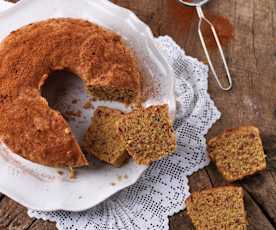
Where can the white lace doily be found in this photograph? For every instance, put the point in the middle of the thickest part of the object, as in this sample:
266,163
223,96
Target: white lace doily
160,192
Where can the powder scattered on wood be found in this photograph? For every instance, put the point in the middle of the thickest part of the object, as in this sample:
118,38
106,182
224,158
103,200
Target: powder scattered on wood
71,113
88,105
68,118
186,17
182,15
224,28
74,101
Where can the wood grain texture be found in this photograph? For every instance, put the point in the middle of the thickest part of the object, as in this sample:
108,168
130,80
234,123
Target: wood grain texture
252,60
13,216
43,225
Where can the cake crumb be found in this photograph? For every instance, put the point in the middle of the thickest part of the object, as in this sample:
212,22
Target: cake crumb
74,101
125,176
88,105
67,131
113,184
119,178
60,172
71,113
72,173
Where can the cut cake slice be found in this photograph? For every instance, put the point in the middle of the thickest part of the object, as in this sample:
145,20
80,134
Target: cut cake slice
238,152
217,208
102,139
148,133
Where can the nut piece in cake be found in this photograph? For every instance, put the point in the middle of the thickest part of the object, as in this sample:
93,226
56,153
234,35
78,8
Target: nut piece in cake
238,152
217,208
102,139
148,134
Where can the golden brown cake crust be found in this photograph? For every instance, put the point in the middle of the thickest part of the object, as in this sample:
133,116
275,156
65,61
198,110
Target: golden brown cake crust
102,139
217,208
28,55
237,152
38,133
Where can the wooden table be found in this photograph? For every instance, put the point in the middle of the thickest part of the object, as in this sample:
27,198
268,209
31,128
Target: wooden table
252,59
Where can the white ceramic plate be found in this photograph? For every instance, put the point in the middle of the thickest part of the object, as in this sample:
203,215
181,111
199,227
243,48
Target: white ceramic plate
48,189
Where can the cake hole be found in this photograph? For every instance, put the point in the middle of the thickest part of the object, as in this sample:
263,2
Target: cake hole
66,93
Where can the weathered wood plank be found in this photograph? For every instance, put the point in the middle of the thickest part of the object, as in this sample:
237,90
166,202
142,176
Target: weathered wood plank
42,225
21,222
148,11
181,221
200,181
255,217
252,100
262,188
13,216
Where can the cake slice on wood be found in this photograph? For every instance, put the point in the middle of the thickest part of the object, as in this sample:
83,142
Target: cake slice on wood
102,139
217,208
238,152
148,134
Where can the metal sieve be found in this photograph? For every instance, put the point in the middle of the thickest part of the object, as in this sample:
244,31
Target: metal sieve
198,4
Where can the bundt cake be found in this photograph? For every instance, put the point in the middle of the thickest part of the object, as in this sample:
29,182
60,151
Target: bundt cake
28,55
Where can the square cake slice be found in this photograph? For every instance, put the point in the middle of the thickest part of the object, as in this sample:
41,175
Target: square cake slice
238,152
217,208
148,134
102,139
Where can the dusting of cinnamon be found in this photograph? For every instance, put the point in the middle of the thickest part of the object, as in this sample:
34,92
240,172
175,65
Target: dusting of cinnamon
88,105
183,15
72,173
186,16
74,101
70,113
224,28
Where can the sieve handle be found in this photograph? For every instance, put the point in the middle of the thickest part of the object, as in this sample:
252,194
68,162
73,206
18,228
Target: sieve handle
201,19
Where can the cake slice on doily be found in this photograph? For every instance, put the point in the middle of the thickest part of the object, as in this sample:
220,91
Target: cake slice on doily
102,139
148,134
